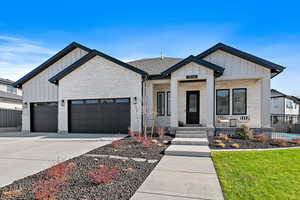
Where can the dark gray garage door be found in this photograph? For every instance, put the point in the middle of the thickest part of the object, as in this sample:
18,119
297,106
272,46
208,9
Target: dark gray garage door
43,117
99,115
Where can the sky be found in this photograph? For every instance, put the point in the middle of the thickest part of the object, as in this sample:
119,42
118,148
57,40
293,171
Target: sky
33,31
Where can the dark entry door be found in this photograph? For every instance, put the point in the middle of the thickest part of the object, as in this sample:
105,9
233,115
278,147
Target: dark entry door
192,107
44,117
99,115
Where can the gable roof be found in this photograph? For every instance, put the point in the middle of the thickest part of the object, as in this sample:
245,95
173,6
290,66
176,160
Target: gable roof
154,66
88,57
217,69
275,68
277,94
49,62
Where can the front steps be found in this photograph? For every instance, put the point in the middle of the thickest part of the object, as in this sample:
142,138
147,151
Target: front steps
189,141
188,150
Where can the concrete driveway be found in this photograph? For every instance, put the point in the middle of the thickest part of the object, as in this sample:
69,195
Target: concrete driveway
23,155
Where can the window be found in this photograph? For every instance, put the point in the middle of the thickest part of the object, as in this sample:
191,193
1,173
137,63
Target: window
169,103
223,102
11,89
91,101
239,101
122,100
77,102
160,103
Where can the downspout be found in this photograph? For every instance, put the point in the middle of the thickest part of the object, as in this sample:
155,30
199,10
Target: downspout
142,104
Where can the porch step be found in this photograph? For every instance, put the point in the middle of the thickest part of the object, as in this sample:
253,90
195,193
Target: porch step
190,141
191,129
191,132
188,150
187,135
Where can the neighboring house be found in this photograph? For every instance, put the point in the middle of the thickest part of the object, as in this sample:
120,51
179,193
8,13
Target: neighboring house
10,97
84,90
282,104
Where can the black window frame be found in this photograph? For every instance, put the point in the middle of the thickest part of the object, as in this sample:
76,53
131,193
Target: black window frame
246,101
164,104
168,98
228,112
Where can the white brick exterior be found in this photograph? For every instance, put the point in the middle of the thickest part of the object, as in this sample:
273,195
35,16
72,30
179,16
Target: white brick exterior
100,78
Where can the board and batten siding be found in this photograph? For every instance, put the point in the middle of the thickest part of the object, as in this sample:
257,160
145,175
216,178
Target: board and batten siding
100,78
237,68
39,89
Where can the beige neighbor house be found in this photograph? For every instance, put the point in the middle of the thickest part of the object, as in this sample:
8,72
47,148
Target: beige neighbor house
84,90
10,97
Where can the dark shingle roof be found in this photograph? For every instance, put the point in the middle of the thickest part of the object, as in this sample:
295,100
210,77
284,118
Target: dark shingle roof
154,66
276,94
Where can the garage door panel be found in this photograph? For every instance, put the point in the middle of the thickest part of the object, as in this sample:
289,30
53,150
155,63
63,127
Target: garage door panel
44,117
99,116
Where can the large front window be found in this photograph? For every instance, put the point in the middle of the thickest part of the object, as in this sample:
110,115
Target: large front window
223,102
239,101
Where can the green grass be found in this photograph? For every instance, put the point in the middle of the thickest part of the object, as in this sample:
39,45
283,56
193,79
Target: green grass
259,175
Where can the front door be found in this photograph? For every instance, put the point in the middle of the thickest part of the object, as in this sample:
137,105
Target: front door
192,107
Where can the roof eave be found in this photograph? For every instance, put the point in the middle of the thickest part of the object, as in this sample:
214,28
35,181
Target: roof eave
47,63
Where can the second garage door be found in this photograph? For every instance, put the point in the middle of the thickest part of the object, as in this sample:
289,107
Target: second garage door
99,115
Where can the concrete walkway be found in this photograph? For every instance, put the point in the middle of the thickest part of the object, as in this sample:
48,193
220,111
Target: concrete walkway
24,155
179,177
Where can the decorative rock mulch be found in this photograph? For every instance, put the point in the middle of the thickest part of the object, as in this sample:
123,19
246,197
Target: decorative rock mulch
132,159
235,143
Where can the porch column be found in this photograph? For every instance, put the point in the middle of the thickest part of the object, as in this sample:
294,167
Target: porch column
149,102
174,103
210,101
265,103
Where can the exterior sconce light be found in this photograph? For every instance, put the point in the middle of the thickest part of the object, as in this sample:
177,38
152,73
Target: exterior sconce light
62,103
25,104
134,100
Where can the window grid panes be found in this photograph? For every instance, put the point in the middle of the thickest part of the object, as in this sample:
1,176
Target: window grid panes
239,101
160,103
223,102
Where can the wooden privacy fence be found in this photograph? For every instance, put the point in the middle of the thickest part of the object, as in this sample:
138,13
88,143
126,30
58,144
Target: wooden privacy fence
10,118
285,123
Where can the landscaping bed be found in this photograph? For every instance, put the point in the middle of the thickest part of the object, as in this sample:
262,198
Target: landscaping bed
114,171
266,175
245,138
214,143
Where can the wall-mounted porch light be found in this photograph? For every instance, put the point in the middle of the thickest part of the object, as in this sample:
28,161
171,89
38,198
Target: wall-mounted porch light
25,105
62,103
134,100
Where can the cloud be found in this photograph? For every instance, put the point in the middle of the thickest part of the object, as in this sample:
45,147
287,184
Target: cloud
18,56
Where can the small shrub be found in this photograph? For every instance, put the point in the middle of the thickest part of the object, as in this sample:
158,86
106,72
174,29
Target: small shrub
117,143
296,141
61,171
279,142
104,174
245,133
48,189
261,138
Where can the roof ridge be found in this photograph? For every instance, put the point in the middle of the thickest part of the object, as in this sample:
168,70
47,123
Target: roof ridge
144,59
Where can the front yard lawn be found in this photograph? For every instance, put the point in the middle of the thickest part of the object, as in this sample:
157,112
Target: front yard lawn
256,175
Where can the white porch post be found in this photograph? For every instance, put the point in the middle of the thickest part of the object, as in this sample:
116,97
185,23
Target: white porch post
149,101
174,103
265,103
210,101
